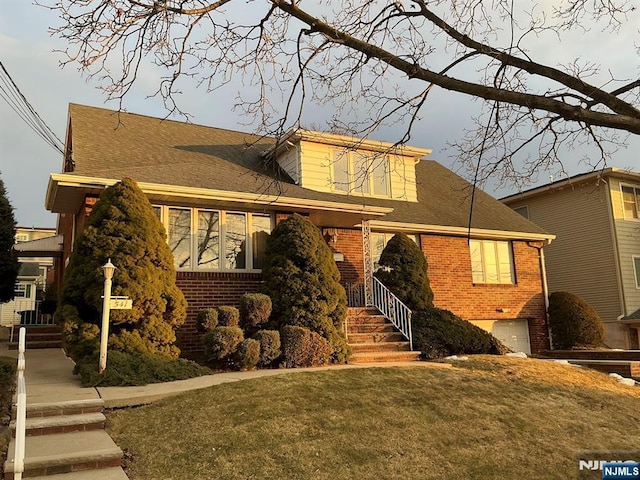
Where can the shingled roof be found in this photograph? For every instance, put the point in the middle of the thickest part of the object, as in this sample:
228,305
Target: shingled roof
109,144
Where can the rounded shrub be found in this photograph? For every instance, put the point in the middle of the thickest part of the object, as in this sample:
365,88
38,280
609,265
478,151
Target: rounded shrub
303,282
221,342
404,272
207,319
440,333
269,346
573,322
228,316
247,354
255,309
303,348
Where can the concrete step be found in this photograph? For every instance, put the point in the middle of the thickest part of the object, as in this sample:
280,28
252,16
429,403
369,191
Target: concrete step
380,357
621,367
63,424
43,337
104,474
368,320
71,407
39,329
38,345
66,453
599,354
375,337
379,347
371,328
358,311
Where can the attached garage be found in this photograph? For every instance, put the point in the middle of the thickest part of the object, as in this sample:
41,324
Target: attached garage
513,333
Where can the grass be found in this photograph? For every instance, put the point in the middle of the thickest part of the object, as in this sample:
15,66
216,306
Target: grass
7,387
489,418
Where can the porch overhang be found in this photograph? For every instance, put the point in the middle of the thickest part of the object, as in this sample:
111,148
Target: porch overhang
66,194
42,247
461,231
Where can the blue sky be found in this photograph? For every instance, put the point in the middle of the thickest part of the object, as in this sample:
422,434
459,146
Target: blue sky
26,51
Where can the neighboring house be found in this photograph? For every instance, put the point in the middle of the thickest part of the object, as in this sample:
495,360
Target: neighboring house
32,277
596,217
219,192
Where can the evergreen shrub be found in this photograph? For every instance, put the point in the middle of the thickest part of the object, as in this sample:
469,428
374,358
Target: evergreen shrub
247,355
269,346
221,342
228,316
303,348
207,319
574,323
255,309
303,282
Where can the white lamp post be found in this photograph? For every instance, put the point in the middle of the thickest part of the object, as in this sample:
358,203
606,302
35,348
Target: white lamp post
108,269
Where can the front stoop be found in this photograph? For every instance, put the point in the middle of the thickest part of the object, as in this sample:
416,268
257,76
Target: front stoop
373,338
67,441
39,337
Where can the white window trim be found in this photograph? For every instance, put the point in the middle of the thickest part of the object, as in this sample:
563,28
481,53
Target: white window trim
636,271
636,190
222,218
513,280
352,187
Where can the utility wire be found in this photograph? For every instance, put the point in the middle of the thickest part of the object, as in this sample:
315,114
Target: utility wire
11,94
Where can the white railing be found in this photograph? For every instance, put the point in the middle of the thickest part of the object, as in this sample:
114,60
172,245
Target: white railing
21,410
392,308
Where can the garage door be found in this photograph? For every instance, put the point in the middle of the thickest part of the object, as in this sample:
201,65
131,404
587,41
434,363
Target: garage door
513,333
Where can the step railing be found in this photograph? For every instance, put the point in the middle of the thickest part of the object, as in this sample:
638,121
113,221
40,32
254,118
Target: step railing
392,308
21,409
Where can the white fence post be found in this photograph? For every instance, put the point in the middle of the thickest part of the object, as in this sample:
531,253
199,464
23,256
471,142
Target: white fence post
21,410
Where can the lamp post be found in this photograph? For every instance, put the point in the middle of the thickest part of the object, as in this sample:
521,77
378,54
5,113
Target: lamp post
108,269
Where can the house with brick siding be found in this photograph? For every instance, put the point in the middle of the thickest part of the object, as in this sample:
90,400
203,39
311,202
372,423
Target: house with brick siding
219,193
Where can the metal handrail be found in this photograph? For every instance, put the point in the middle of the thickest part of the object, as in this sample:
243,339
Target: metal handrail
392,308
21,410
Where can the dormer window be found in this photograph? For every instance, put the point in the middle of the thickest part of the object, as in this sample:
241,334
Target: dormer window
360,172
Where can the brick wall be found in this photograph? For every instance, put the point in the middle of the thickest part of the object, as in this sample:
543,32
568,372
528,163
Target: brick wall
348,243
210,289
450,275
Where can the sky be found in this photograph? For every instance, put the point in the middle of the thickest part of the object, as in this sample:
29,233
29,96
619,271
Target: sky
26,50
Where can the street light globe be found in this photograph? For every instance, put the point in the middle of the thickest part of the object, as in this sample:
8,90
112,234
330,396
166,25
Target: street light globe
108,269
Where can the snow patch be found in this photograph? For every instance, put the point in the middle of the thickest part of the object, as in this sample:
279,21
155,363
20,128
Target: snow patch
455,357
516,355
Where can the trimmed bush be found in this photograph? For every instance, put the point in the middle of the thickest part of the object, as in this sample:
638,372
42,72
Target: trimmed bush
7,385
247,354
228,316
255,309
123,227
303,282
221,342
573,322
125,369
404,272
440,333
9,265
303,348
207,320
269,346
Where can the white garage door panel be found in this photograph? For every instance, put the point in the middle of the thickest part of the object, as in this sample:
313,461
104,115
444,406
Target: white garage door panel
513,333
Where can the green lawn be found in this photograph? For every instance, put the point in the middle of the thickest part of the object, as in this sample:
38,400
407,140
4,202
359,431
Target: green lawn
489,418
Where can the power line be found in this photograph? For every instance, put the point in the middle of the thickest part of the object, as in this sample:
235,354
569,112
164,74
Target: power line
11,94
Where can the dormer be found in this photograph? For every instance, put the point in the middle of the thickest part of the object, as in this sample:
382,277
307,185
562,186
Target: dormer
349,166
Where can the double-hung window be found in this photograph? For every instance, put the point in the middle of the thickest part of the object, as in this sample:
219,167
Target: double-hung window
360,172
491,261
215,240
379,240
631,202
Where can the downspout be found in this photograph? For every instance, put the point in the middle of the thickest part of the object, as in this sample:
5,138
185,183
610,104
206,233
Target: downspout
545,286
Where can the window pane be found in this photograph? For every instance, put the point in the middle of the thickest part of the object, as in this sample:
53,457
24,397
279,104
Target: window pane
236,241
504,262
490,262
629,202
380,176
208,240
360,172
341,170
477,272
180,236
378,242
636,265
260,230
157,211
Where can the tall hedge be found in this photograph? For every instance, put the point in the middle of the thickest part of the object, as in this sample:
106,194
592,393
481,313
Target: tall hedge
303,282
9,265
404,272
573,322
123,227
